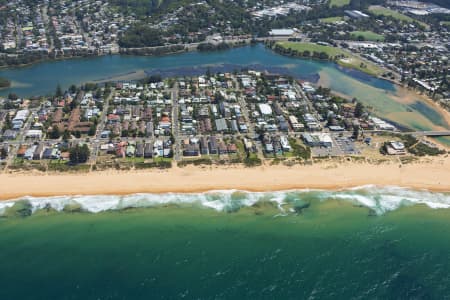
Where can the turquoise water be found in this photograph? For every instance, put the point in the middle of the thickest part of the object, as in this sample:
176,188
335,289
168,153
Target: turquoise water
332,247
42,78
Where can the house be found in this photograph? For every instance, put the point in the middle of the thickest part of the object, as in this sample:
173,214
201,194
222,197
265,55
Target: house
34,134
203,146
231,148
234,126
282,123
10,134
296,126
311,122
213,148
285,144
37,154
148,150
105,134
29,153
47,154
191,150
158,148
22,150
21,116
112,118
222,148
139,150
221,125
120,149
131,149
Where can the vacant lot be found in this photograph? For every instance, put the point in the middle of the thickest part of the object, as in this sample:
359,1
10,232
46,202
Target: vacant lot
339,3
311,47
331,19
367,35
383,11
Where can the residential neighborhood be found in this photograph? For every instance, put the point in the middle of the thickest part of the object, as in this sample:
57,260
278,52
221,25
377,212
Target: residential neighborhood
248,117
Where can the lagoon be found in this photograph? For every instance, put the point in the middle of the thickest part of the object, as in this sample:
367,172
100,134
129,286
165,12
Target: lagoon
381,95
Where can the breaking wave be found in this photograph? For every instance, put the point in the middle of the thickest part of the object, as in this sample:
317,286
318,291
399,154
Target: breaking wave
379,199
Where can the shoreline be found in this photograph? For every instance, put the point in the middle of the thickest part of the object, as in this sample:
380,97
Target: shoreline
432,176
187,48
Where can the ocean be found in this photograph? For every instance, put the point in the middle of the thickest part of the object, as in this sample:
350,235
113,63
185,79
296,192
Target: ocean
363,243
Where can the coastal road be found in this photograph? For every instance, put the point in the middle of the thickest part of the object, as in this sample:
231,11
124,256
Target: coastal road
100,127
177,151
250,125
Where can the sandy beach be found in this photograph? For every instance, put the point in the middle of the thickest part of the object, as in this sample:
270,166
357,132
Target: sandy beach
433,175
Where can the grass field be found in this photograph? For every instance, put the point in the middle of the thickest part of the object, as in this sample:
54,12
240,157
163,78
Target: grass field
300,47
368,35
350,61
339,3
383,11
331,19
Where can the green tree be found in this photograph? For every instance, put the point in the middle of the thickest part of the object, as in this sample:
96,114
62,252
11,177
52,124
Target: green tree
55,134
355,132
66,135
13,96
58,92
3,153
79,154
92,130
72,89
359,109
7,124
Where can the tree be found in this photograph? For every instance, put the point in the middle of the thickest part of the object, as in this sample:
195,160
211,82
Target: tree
66,135
140,36
58,92
72,89
13,96
92,130
8,123
79,154
155,78
3,153
355,132
55,134
359,109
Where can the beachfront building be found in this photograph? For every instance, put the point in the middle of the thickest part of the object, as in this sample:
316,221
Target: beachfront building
395,148
318,139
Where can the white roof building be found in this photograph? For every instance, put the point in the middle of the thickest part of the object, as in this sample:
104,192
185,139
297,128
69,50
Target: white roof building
22,115
34,133
281,32
265,109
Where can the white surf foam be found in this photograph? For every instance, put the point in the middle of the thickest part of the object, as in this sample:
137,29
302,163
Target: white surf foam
379,199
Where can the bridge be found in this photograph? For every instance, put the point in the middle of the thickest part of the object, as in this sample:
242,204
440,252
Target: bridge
431,133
